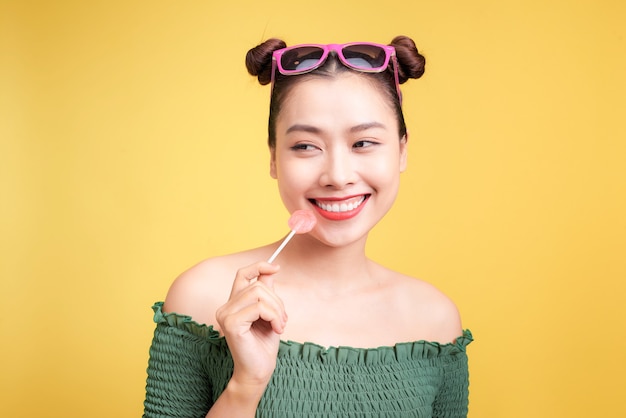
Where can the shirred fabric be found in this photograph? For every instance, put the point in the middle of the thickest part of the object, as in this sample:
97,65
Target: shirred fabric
190,365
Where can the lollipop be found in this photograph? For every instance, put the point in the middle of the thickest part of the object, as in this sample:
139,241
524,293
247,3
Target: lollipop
300,222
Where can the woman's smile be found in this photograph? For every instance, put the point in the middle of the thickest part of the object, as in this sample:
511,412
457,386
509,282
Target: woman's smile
337,209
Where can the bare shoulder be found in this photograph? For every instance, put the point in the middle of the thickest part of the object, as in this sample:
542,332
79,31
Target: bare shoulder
427,309
199,291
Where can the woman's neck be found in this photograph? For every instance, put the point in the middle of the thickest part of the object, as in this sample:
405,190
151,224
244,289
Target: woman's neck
312,263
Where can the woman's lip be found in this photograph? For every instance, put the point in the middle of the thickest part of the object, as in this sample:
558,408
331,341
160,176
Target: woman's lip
336,199
340,215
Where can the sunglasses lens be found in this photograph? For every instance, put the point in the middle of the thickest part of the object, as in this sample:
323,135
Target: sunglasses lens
301,58
364,56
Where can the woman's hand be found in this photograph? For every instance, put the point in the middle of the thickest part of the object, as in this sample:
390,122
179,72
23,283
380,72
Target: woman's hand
252,321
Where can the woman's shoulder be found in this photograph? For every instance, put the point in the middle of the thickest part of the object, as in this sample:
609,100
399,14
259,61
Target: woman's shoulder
426,309
201,289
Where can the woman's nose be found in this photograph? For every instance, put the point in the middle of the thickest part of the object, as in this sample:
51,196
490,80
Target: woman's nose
338,171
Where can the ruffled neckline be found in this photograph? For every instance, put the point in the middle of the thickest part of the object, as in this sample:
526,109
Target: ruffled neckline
310,350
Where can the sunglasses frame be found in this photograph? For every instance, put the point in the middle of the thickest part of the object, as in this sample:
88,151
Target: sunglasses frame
390,55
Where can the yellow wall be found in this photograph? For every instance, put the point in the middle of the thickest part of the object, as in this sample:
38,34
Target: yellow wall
133,145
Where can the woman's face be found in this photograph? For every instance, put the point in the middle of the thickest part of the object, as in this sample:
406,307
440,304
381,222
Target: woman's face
338,154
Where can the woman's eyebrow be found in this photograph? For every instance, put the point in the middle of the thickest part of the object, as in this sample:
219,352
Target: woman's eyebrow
303,128
368,125
315,130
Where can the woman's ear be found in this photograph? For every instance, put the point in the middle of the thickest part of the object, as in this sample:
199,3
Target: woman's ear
403,152
273,163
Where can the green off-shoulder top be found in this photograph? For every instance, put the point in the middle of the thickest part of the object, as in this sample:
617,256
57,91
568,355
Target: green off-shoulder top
190,365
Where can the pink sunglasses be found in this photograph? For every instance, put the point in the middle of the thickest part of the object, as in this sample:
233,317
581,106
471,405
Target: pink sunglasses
360,56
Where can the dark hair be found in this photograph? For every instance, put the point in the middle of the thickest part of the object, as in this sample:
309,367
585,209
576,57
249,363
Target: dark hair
259,63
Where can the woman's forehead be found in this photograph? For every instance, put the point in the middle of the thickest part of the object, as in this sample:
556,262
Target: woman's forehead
342,98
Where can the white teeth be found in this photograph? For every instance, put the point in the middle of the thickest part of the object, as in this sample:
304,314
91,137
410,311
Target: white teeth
340,207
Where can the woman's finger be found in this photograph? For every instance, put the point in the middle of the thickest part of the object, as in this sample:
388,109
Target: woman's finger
248,275
252,295
240,322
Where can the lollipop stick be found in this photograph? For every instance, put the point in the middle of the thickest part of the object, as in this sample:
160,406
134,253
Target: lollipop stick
300,222
282,245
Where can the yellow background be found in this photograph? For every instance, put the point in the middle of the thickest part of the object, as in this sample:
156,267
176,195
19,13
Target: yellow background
133,146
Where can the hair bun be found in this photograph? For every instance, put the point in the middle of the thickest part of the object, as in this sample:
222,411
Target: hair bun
411,64
259,59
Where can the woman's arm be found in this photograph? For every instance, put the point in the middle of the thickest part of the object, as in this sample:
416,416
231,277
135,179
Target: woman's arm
237,401
177,385
251,321
452,398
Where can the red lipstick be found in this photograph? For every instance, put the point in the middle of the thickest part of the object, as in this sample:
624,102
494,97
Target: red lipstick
339,215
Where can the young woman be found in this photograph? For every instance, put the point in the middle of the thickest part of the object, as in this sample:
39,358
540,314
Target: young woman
323,331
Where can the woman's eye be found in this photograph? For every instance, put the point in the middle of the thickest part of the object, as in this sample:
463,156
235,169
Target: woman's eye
303,147
363,144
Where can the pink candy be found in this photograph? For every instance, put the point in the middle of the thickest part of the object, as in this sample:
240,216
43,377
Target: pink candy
302,221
